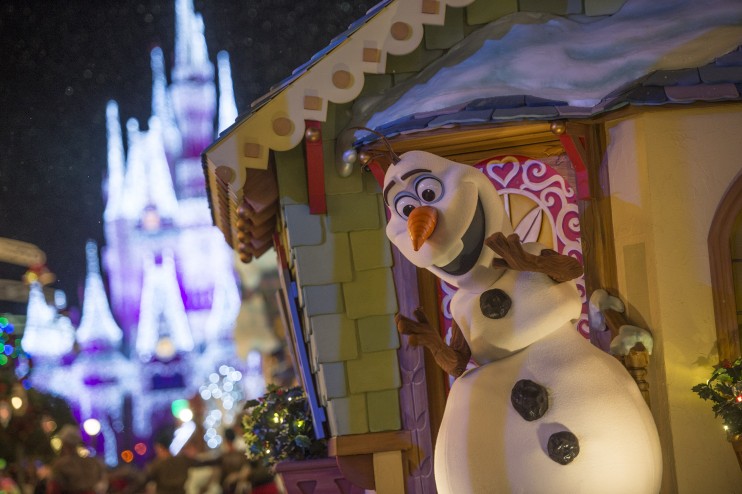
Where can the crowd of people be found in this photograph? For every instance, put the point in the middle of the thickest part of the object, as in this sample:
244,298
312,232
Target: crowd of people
192,470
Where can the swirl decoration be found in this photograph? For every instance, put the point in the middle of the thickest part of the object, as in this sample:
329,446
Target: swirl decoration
556,199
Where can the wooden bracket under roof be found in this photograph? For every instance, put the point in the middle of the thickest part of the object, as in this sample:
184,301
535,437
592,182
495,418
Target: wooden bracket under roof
256,215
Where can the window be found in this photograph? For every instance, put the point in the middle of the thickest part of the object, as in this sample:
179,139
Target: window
725,258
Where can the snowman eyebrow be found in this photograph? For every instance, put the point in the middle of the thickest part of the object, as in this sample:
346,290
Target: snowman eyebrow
413,172
404,176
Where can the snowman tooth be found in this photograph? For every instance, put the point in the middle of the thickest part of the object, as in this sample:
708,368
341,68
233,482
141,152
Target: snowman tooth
421,224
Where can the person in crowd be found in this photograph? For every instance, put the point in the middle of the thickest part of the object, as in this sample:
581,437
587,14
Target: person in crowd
124,478
169,472
72,473
42,474
234,466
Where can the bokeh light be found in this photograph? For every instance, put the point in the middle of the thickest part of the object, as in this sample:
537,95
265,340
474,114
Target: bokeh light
185,415
56,443
178,406
91,427
16,402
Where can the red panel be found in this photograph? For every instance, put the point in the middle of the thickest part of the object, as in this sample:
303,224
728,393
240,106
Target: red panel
278,245
315,171
377,171
576,151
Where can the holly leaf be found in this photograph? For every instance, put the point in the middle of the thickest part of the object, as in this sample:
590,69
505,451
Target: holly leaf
302,441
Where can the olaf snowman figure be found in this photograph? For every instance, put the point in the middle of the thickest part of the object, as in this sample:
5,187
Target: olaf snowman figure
544,411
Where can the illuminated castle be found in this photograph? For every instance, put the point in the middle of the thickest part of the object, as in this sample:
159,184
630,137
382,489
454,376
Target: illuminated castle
174,295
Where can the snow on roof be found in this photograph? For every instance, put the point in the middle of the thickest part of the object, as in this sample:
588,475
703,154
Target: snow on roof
574,59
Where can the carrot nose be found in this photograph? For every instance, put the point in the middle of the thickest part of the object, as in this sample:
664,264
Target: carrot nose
421,224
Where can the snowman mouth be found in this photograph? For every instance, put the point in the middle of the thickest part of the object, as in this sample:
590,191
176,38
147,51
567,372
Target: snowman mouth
473,239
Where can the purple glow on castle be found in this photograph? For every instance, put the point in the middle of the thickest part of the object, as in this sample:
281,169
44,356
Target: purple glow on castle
174,295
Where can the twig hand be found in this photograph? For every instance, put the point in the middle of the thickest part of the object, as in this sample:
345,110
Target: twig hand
420,331
557,266
452,359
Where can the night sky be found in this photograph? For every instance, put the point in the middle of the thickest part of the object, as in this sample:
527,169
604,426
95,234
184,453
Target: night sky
61,63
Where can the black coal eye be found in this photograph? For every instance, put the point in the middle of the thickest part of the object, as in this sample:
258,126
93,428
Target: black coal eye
405,204
429,189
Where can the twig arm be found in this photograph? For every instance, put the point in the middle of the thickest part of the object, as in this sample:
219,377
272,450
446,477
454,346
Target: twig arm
452,359
556,266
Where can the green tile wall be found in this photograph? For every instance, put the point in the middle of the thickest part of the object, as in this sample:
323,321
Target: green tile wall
371,186
414,61
347,415
303,228
349,212
377,333
383,410
371,293
334,338
603,7
447,35
338,116
370,249
291,176
483,11
374,84
331,381
373,371
334,183
558,7
326,263
323,299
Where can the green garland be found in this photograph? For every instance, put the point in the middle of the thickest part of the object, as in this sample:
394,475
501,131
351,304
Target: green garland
278,427
724,390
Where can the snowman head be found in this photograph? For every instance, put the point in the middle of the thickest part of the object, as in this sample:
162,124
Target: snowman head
441,213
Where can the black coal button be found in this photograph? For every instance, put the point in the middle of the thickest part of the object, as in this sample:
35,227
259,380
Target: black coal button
563,447
530,399
495,303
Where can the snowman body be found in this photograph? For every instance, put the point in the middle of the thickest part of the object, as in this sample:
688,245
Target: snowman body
545,411
485,445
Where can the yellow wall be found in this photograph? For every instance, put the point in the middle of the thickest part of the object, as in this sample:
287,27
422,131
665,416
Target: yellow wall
668,171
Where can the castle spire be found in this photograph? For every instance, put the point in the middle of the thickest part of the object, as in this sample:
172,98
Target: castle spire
162,106
191,55
97,324
148,185
227,104
47,334
134,195
161,191
163,325
115,182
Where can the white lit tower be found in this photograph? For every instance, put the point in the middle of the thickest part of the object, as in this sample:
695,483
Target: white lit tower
156,197
100,378
97,327
194,98
170,274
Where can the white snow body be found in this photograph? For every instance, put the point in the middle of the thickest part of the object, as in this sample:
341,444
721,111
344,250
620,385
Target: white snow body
485,446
